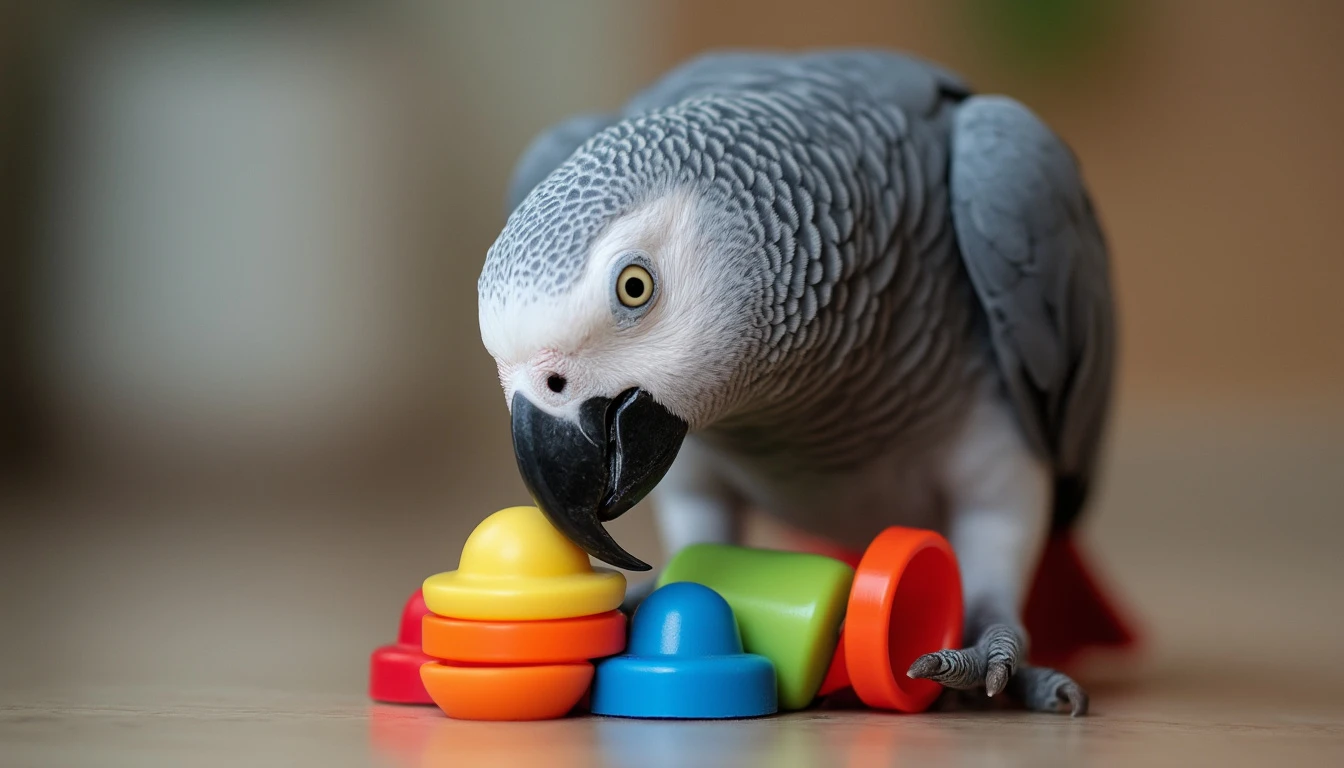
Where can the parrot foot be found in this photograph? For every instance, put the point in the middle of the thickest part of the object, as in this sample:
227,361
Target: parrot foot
993,663
1044,690
990,662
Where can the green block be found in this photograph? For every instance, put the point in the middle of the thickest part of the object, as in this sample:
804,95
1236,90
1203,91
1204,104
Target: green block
789,607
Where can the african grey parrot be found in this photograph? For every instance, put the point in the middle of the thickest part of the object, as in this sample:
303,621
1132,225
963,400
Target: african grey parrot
835,285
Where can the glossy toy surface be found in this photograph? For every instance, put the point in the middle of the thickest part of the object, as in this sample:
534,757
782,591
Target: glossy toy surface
728,632
517,567
394,670
518,622
906,602
903,600
685,660
788,605
534,692
525,642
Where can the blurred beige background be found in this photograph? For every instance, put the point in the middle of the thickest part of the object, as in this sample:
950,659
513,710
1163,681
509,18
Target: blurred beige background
244,405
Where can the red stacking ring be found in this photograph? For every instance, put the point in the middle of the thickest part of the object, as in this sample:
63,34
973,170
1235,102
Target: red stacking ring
394,670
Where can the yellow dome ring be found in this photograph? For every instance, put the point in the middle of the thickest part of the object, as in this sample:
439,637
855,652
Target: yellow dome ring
517,567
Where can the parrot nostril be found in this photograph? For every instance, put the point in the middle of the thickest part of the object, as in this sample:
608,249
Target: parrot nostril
556,383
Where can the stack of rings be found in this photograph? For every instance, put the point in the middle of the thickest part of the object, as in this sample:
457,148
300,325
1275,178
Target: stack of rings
516,626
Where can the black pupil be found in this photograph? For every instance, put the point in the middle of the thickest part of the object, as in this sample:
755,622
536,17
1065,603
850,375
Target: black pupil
556,383
634,287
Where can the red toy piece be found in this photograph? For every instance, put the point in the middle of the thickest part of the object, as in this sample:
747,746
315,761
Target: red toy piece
837,675
1068,611
394,670
906,601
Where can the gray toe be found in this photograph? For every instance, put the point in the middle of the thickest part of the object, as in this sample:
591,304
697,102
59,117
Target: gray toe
1046,690
954,669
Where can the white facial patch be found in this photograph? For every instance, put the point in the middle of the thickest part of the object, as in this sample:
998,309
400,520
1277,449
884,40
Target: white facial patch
669,351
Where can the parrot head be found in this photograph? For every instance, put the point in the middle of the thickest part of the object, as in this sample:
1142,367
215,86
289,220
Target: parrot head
614,303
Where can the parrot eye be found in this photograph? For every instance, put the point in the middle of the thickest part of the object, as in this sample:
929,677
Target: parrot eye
634,286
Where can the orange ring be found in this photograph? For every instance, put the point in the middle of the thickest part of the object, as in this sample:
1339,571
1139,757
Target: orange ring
906,601
470,692
524,642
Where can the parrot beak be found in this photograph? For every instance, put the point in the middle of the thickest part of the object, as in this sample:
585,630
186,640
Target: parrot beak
586,473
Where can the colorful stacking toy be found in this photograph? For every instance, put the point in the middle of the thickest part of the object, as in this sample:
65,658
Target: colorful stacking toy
904,601
729,631
515,626
685,661
394,670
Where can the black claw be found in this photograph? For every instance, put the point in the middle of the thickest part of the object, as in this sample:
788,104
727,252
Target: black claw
996,679
1046,690
926,667
1076,699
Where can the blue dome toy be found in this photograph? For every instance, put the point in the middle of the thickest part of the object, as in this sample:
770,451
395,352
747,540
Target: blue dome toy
684,660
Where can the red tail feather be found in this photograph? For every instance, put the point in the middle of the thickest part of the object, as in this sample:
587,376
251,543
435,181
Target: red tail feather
1068,611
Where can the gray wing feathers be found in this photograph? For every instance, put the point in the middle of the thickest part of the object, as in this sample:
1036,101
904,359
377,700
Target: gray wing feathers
1037,256
551,148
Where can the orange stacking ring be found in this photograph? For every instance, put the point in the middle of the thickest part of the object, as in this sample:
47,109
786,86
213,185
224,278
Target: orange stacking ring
545,641
906,601
471,692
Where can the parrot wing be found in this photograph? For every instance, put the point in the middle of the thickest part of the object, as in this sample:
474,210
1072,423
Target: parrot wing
549,149
1038,260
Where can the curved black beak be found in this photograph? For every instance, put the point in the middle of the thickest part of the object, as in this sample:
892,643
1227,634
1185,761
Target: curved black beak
584,474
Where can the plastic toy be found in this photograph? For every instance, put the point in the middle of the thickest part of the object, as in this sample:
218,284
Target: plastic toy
788,605
685,660
394,670
722,622
905,601
518,622
728,631
517,567
534,692
525,642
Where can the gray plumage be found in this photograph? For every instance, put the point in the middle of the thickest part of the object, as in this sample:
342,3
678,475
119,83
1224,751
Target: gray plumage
843,164
1036,254
551,148
891,245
